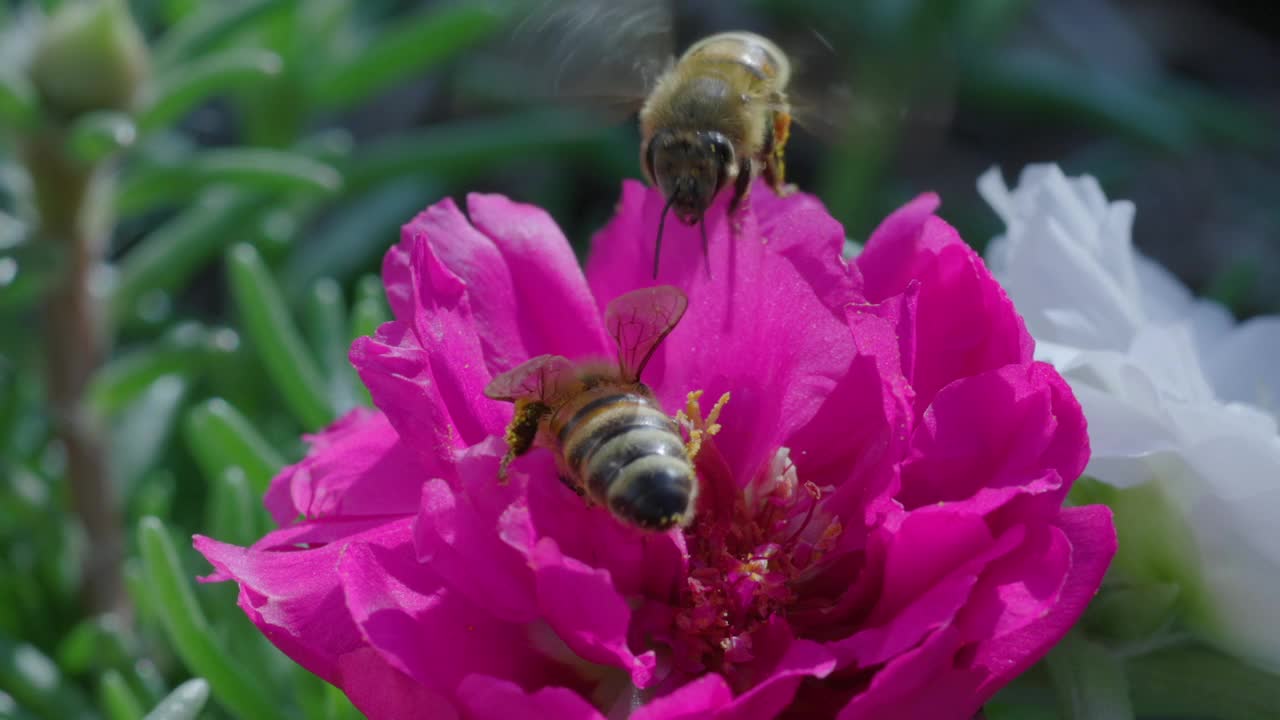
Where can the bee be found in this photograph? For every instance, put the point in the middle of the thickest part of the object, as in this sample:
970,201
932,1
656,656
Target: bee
717,118
613,443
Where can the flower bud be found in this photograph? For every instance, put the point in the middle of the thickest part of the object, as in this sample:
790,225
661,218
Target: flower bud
91,56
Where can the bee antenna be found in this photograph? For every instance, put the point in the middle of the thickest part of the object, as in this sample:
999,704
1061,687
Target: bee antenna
662,220
706,256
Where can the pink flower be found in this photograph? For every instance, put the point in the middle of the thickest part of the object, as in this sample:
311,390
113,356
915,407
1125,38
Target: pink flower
879,530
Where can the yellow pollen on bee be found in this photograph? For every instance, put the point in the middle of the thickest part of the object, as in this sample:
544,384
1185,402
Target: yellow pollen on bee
698,428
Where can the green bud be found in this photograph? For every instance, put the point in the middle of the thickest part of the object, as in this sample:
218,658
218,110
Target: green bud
91,56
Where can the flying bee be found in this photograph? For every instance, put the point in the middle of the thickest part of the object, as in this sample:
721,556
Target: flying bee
718,117
613,443
715,117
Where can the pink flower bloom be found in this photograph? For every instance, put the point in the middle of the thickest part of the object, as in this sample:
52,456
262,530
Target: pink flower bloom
879,531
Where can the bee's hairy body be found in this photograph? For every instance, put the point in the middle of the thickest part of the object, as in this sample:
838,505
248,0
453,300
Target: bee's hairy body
718,116
618,448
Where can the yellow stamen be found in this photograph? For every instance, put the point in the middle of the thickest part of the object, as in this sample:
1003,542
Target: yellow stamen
699,429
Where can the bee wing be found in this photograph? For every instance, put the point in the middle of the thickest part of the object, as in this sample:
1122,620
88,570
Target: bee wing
546,378
639,320
603,54
829,102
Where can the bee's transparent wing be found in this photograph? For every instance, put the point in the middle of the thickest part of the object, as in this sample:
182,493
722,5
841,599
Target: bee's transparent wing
831,101
547,378
639,320
601,54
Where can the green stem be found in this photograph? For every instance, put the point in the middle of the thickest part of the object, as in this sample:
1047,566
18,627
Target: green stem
69,197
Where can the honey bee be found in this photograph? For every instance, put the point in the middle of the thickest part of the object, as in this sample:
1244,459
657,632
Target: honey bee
612,441
717,118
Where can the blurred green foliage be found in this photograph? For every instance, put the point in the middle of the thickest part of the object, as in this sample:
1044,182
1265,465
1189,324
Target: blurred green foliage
273,152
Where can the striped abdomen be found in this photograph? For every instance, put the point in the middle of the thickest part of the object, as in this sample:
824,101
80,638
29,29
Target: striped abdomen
626,454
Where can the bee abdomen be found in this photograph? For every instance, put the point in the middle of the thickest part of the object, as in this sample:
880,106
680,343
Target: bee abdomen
654,492
629,457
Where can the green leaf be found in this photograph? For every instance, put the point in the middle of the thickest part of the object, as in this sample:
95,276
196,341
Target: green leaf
189,631
1007,711
276,339
327,326
221,438
141,433
1197,682
183,88
412,47
370,310
117,699
338,706
1132,613
1088,680
1053,88
458,151
19,107
214,23
184,347
95,643
233,508
35,682
169,255
184,703
245,168
354,236
98,135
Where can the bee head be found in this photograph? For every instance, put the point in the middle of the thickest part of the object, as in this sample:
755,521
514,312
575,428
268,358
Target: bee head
690,168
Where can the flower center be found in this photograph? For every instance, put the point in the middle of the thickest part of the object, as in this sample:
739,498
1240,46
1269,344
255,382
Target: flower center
743,565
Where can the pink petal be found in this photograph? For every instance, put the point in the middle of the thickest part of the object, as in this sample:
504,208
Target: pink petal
888,260
544,274
864,426
934,608
357,466
294,597
696,699
1021,587
929,545
914,686
1002,429
398,374
458,534
586,611
965,323
488,698
470,260
434,409
780,353
804,659
638,562
951,675
428,630
383,693
1092,538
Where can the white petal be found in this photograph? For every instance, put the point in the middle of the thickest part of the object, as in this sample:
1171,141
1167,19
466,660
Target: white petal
1168,354
1244,366
1164,297
1174,394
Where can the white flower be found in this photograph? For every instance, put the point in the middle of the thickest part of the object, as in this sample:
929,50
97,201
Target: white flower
1176,394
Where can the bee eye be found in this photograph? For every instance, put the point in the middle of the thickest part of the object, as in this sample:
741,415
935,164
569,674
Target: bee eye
651,152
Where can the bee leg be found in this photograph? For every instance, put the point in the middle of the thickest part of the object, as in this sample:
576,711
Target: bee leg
774,162
521,433
577,489
742,185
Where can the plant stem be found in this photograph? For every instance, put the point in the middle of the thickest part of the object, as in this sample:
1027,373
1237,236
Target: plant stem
69,199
